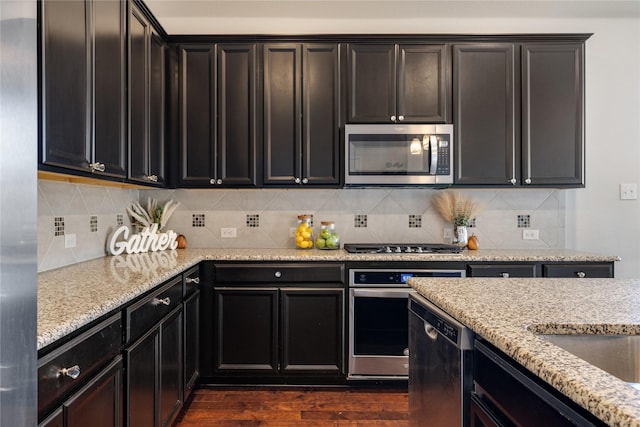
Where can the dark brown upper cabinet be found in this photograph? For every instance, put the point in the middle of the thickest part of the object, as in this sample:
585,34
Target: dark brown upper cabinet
146,101
218,117
301,114
83,93
519,114
553,114
487,148
396,83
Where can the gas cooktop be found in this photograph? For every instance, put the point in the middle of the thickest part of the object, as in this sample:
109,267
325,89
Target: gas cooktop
401,248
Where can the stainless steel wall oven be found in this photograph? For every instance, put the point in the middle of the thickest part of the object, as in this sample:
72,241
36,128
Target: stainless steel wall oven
378,319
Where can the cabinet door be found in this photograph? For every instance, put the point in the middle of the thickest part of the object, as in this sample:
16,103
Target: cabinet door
312,330
553,114
485,128
321,103
138,96
142,366
371,83
171,367
197,115
110,142
99,402
282,130
157,129
67,84
422,83
237,115
191,343
246,330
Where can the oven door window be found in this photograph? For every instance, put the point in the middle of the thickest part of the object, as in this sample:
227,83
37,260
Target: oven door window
380,326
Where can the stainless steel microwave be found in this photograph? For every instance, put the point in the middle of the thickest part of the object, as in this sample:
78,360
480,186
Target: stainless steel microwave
398,154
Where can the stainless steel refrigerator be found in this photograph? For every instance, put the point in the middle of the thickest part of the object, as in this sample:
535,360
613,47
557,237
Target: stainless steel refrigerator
18,212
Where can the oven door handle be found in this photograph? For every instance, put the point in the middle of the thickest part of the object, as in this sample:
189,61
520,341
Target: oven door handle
382,293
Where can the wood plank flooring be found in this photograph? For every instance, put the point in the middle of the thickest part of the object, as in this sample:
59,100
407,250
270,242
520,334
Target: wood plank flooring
301,407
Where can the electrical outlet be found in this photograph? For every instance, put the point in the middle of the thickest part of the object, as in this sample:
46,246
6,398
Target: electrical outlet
628,191
69,241
229,233
530,234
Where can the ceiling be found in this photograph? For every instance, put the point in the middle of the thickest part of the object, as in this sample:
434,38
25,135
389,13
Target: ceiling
339,16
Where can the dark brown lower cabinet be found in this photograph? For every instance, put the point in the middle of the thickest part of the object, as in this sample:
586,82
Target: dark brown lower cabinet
154,374
506,394
96,404
279,331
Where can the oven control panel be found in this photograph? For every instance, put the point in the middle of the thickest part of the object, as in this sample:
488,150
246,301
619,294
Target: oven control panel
391,278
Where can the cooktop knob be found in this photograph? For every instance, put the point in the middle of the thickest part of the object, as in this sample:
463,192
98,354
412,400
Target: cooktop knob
408,249
419,249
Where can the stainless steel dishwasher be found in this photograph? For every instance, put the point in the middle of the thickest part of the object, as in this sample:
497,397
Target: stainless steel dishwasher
440,363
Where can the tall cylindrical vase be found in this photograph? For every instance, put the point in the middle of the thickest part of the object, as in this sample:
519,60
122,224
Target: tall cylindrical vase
462,237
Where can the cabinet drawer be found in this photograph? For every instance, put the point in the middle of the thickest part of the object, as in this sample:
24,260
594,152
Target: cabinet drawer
499,270
88,351
279,273
578,270
141,316
191,280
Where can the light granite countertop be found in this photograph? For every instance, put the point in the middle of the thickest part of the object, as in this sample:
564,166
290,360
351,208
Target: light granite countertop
73,296
506,312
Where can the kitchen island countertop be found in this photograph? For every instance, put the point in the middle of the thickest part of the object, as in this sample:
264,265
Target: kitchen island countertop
71,297
507,312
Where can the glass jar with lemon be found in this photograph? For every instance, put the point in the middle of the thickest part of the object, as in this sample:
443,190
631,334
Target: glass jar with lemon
304,232
327,238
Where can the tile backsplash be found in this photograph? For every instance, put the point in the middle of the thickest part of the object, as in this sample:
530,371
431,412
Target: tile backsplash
264,218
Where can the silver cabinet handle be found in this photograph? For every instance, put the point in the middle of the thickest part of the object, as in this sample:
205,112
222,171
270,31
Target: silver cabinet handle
277,274
218,181
581,274
405,352
297,180
97,166
393,118
401,118
512,181
527,181
195,280
163,301
212,181
305,180
505,275
152,178
72,372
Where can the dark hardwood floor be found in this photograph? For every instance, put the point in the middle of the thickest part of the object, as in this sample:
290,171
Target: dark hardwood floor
299,406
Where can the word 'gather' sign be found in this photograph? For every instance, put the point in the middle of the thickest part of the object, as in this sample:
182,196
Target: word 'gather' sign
148,240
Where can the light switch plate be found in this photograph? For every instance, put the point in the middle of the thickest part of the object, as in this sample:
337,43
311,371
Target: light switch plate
628,191
530,234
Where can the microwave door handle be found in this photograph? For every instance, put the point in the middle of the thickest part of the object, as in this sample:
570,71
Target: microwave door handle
433,148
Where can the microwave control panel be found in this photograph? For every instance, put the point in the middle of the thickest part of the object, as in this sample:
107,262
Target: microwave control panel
444,155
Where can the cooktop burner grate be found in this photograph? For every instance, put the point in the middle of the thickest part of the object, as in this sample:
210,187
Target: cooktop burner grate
401,248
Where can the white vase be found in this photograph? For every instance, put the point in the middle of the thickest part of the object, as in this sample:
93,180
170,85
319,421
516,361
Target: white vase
462,237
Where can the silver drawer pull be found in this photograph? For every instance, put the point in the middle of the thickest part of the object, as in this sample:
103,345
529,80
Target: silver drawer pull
581,274
277,274
72,372
152,178
195,280
163,301
506,275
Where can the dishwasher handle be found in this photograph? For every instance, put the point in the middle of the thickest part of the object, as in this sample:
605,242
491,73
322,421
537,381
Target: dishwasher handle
431,332
440,323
